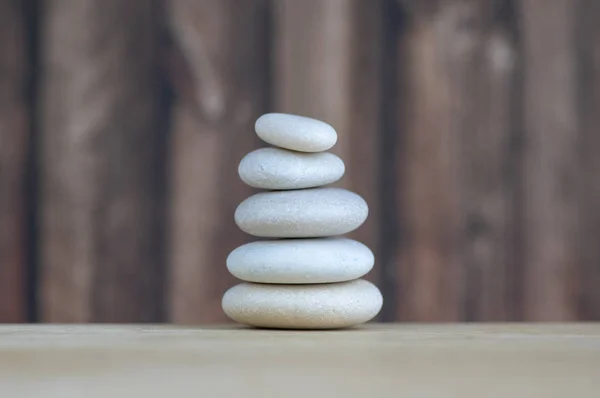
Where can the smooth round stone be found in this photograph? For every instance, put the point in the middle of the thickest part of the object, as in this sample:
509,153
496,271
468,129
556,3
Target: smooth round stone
323,306
296,261
305,213
298,133
274,168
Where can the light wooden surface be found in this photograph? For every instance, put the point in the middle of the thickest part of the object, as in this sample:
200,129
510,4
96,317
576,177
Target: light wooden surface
463,360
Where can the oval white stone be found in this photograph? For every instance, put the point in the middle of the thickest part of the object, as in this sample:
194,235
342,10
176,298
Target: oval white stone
306,213
274,168
323,306
295,261
298,133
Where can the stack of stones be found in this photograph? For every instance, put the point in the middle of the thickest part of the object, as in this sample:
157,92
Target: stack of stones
304,274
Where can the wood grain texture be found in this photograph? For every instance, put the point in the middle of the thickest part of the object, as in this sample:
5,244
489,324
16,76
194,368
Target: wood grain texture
469,127
100,251
484,70
588,85
497,360
332,72
455,174
14,140
550,160
219,70
430,273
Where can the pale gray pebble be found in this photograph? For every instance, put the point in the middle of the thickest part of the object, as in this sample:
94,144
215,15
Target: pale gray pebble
275,168
298,261
305,213
321,306
298,133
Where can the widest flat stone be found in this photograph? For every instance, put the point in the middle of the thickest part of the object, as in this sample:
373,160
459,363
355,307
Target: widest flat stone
298,261
298,133
275,168
322,306
305,213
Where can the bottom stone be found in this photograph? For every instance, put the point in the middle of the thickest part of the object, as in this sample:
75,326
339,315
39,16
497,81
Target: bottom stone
324,306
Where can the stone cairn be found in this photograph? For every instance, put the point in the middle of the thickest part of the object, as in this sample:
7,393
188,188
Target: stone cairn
304,274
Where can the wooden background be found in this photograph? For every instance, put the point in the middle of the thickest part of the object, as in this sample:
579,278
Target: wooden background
469,126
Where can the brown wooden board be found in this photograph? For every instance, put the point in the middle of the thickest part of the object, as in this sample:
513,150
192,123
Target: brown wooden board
100,248
550,163
469,127
14,140
484,66
219,69
588,85
429,276
455,158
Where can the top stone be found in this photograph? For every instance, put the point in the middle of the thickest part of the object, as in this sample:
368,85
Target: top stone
297,133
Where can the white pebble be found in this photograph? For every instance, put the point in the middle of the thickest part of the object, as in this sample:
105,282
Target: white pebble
298,133
306,213
322,306
297,261
274,168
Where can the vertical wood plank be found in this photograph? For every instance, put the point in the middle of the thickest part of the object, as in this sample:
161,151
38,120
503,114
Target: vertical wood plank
219,69
13,150
487,108
588,45
328,58
550,159
100,251
456,61
430,274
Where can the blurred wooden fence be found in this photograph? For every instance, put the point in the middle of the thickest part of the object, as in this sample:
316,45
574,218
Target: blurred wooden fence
469,126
